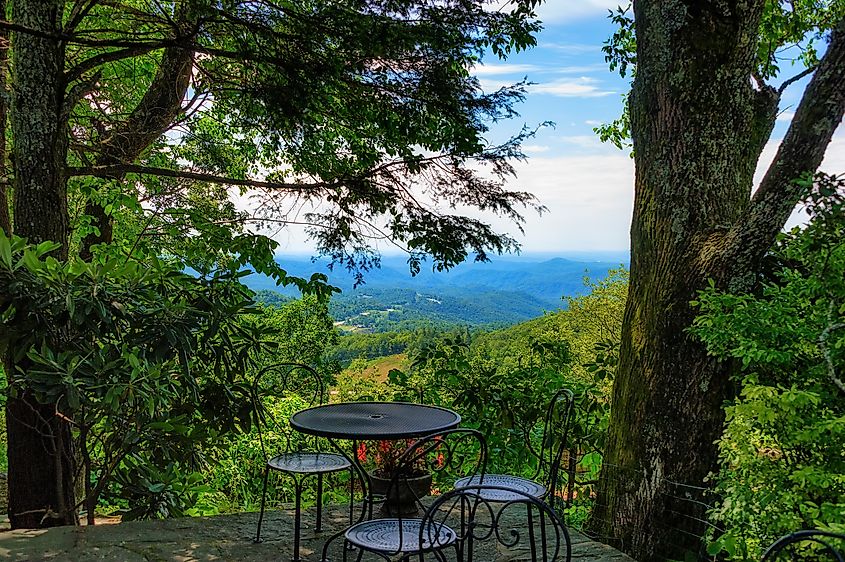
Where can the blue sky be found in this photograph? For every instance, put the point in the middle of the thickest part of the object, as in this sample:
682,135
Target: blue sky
586,185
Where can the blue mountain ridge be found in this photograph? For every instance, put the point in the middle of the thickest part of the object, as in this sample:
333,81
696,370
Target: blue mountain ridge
503,291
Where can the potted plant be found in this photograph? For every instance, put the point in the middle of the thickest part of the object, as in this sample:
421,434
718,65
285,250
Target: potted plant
400,484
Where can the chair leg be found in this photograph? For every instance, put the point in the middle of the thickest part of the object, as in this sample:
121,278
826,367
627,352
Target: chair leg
319,527
351,495
328,543
263,500
532,540
543,542
297,518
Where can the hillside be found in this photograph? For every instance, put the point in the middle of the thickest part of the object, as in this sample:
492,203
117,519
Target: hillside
499,293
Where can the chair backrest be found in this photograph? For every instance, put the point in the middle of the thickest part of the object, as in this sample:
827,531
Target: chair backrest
554,439
280,380
447,452
525,525
824,545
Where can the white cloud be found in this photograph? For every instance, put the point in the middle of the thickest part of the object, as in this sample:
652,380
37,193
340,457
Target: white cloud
490,86
561,11
834,162
583,87
583,141
499,69
535,148
592,122
590,199
484,70
572,48
598,67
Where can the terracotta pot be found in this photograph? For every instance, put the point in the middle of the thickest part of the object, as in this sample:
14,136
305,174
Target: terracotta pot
401,498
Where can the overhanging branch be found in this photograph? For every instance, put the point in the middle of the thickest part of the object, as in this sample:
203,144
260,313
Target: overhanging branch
98,60
121,169
800,152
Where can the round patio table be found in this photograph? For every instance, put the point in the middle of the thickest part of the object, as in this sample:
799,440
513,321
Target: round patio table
365,421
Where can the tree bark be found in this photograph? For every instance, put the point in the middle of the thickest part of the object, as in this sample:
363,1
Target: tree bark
5,218
698,128
41,490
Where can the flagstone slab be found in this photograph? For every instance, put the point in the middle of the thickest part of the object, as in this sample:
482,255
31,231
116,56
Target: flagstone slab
225,538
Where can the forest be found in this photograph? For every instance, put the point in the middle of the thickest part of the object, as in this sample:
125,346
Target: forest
152,149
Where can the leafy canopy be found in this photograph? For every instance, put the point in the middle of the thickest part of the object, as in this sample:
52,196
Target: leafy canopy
356,118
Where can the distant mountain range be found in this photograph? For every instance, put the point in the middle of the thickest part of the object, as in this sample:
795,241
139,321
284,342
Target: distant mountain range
504,291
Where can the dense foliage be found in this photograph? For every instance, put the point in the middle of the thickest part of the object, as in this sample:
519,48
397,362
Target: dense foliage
782,451
152,368
145,363
160,115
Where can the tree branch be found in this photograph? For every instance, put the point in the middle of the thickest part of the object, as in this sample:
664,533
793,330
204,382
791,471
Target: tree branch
154,114
801,152
97,60
121,169
795,78
825,335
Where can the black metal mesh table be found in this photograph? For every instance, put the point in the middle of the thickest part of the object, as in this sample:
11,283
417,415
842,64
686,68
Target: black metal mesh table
363,421
366,421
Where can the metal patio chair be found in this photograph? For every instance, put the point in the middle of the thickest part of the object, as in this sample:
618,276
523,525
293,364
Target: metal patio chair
545,480
406,536
279,380
810,544
482,520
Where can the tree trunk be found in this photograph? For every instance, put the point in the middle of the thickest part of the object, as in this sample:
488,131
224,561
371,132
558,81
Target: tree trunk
153,115
40,458
698,128
5,219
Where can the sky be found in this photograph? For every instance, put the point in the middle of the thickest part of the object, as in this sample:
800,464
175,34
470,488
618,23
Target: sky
586,185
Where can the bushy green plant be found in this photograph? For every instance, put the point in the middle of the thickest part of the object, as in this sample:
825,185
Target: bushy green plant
145,363
504,403
234,478
783,466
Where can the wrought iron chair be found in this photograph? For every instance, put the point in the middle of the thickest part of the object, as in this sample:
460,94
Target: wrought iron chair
279,380
404,536
798,545
481,519
544,482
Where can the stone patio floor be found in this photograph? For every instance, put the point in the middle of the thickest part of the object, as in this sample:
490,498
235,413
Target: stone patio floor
224,538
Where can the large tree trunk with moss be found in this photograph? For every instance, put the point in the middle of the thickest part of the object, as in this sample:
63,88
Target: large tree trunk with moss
5,219
698,126
41,490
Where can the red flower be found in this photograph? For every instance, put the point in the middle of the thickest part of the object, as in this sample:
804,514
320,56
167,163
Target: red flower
362,452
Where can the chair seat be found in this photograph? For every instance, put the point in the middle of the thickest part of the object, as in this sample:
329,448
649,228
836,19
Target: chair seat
307,462
382,535
523,485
